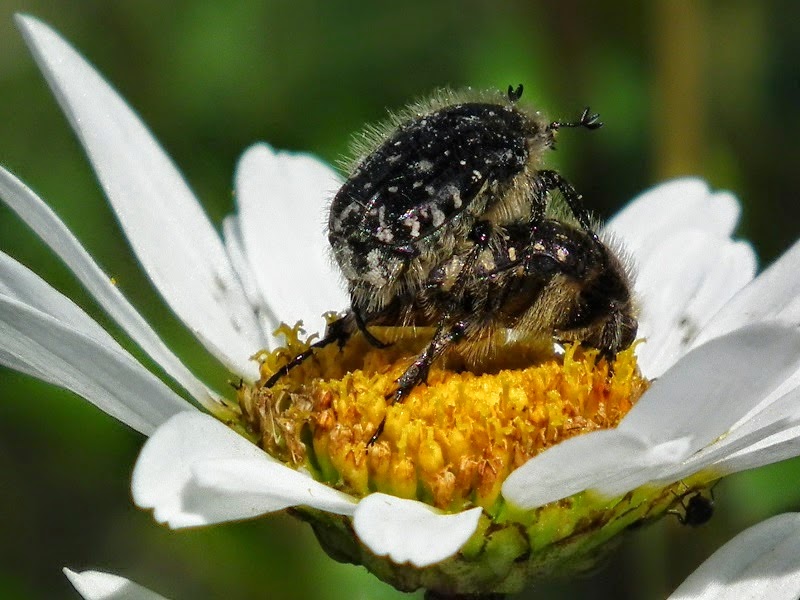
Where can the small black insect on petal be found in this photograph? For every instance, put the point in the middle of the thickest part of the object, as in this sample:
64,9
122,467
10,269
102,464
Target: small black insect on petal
697,509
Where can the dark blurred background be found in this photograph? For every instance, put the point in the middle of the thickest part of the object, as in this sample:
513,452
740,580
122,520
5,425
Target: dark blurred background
705,88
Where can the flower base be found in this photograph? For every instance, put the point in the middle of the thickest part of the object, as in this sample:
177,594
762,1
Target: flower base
512,549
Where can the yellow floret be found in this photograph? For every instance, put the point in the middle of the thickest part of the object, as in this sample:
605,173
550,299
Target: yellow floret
454,440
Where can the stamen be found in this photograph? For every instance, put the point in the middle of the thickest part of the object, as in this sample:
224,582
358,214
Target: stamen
454,440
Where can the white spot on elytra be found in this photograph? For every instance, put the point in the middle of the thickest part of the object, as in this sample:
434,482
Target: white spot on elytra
413,224
353,207
437,216
375,274
385,235
424,166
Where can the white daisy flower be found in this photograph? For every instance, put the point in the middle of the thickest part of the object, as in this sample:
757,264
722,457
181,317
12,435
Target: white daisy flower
761,562
474,486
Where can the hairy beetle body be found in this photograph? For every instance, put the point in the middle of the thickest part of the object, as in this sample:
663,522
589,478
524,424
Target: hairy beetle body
443,222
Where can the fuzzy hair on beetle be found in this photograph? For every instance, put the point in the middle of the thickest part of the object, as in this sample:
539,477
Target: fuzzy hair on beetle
448,220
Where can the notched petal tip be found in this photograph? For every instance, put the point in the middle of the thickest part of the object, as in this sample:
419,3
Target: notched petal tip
282,199
673,206
408,531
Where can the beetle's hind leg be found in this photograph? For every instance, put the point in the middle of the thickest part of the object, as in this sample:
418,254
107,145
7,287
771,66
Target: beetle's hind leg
340,330
417,372
362,327
453,326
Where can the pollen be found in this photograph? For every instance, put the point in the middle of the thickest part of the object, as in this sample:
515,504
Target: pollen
452,441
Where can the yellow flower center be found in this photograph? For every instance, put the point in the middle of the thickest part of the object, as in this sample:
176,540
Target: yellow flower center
454,439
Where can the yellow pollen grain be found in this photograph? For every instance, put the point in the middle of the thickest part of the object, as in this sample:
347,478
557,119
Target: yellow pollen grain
454,440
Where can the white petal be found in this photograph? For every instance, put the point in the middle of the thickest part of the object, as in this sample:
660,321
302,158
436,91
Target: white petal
282,200
234,245
596,460
773,295
168,230
716,411
682,282
770,425
96,585
196,471
106,376
714,457
715,385
571,467
408,531
247,488
762,562
772,449
12,362
55,234
662,460
671,207
22,284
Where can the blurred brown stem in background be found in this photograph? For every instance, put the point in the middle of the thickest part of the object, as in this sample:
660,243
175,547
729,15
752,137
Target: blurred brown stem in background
680,93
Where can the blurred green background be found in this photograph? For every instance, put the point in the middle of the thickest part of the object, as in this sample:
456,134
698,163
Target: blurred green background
706,88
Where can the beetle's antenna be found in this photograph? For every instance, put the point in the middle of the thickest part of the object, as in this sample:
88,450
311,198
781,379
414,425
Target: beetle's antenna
587,120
